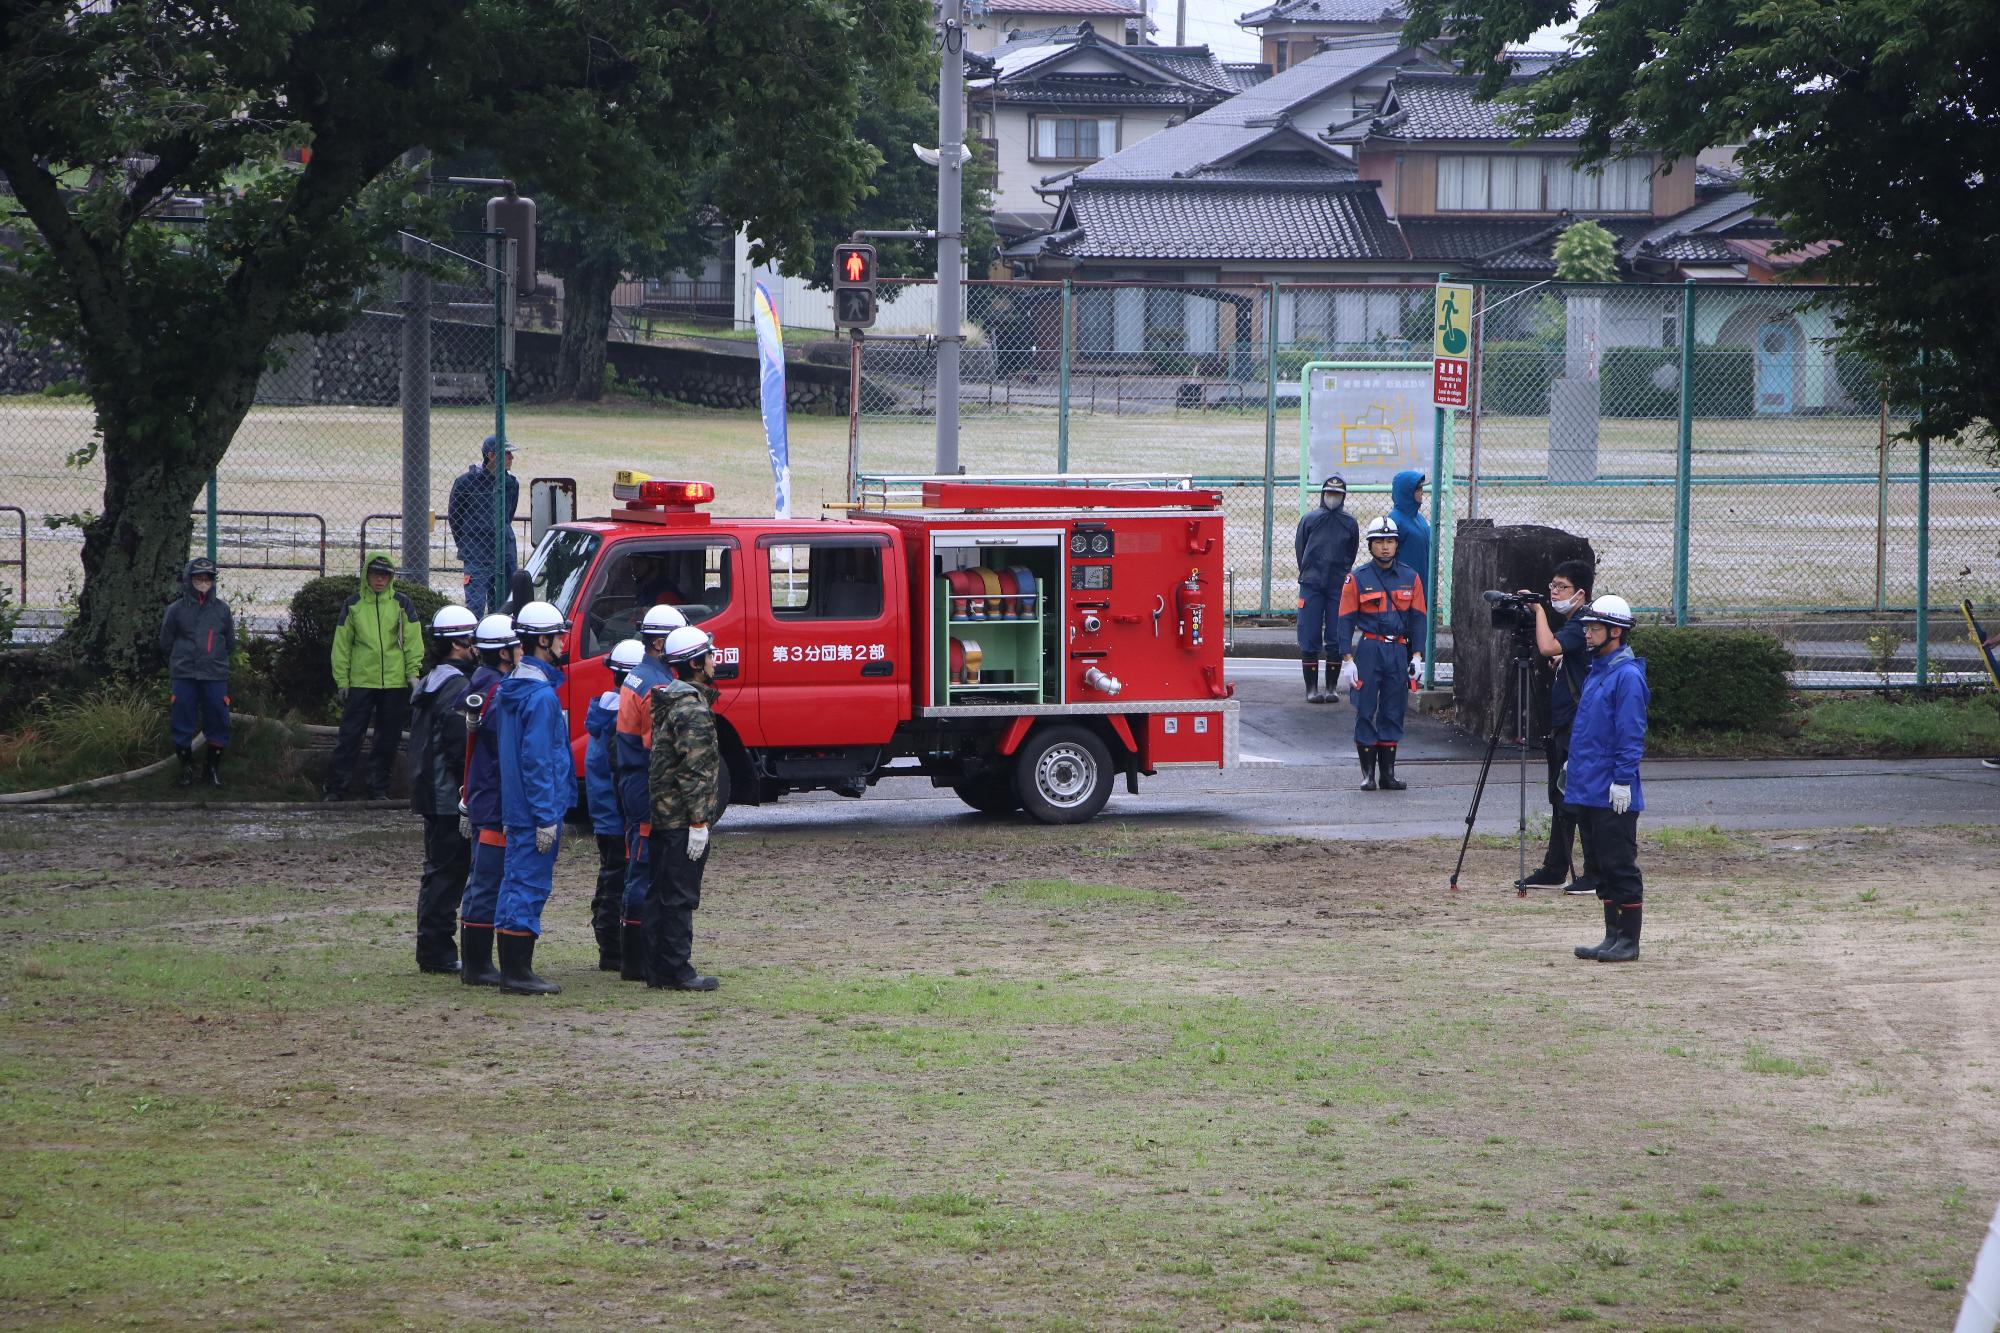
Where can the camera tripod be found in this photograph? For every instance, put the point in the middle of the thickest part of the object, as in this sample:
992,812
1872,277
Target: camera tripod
1519,682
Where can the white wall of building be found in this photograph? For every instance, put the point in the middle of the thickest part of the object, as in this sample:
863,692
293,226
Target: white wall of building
1015,189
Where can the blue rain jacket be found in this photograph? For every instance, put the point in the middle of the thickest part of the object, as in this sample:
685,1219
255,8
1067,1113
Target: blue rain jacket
600,784
1415,550
537,779
1608,737
633,754
482,772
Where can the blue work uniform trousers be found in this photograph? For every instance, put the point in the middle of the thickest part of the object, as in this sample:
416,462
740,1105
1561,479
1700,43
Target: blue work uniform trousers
638,871
480,904
1384,693
203,703
525,883
479,585
1316,620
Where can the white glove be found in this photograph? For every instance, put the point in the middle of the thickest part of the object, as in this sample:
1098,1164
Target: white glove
464,822
1562,778
1417,667
1350,679
697,842
1621,798
545,838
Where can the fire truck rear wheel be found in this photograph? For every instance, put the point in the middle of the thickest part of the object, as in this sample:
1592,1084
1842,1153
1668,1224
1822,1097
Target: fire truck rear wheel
990,793
1063,775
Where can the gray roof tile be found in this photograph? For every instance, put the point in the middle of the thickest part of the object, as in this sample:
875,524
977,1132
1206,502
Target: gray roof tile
1327,11
1425,105
1191,222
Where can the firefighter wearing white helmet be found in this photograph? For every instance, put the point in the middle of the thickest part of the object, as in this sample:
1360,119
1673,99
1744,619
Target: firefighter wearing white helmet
1601,786
685,784
499,649
630,753
537,783
437,771
1383,603
607,822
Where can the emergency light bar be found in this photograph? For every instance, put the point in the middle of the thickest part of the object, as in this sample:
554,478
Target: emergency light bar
636,488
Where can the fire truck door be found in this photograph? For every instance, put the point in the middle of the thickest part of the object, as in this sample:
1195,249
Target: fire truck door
832,664
695,575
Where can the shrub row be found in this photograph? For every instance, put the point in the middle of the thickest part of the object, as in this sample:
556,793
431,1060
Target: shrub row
1634,381
1714,679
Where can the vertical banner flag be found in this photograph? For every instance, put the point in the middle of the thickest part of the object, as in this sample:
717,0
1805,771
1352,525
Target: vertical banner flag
771,359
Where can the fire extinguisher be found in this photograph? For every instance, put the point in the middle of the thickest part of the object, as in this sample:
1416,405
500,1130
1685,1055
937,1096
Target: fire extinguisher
1191,605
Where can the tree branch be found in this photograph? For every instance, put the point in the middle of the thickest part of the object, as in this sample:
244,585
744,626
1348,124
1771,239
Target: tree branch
93,273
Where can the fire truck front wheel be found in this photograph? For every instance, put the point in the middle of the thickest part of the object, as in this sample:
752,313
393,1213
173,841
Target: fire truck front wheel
1063,775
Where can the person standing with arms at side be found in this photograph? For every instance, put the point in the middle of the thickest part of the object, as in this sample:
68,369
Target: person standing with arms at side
1562,644
537,782
469,513
479,807
377,650
1325,545
1602,786
631,760
437,771
607,819
1383,602
685,779
198,635
1407,513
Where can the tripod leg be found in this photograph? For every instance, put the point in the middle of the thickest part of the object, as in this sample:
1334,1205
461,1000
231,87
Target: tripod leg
1523,682
1478,790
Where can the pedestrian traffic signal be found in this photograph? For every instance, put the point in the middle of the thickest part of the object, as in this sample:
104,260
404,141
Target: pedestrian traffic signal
853,286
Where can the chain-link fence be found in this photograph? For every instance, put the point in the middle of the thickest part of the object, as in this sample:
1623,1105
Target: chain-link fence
317,473
1764,488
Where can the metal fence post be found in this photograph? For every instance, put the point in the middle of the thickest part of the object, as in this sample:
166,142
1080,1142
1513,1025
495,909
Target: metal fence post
1062,384
1439,417
1923,535
415,394
211,527
1684,458
502,275
1270,437
1882,505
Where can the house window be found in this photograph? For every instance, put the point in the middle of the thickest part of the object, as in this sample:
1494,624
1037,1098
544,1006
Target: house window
1520,183
1075,138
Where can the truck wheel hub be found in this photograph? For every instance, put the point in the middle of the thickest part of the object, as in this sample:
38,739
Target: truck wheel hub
1064,775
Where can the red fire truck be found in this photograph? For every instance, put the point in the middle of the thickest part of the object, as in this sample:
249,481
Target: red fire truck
1020,643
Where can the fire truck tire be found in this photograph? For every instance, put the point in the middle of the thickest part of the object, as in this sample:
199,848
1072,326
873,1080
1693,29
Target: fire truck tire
1063,775
990,794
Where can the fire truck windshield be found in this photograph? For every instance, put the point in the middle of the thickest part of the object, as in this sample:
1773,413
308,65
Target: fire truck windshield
559,564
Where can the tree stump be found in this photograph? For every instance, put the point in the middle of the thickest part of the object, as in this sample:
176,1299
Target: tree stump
1507,558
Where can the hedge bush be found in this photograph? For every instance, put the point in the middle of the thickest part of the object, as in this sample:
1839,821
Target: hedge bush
1725,380
1714,679
1515,377
302,666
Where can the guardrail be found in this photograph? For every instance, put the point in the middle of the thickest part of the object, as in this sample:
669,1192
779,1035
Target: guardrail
286,539
20,561
444,556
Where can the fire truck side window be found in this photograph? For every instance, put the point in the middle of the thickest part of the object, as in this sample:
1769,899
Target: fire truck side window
695,578
826,580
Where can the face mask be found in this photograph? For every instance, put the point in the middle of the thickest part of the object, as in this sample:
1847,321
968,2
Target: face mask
1332,499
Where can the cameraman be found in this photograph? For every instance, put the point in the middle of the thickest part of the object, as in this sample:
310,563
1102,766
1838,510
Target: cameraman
1559,638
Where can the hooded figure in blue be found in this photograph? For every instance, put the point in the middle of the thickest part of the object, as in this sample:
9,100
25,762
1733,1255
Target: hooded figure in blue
1407,490
1601,786
537,782
479,802
631,761
198,634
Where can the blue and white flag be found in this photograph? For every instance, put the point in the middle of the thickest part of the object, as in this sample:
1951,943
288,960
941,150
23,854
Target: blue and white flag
771,359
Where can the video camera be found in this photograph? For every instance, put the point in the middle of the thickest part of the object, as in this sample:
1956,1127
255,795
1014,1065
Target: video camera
1510,609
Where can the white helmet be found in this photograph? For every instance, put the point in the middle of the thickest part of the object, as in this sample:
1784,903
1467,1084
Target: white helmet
660,620
1608,610
454,622
1382,527
496,631
539,618
685,644
626,654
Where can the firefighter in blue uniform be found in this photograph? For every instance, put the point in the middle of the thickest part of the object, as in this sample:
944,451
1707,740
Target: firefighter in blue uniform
607,821
479,809
1383,602
537,782
1601,785
631,757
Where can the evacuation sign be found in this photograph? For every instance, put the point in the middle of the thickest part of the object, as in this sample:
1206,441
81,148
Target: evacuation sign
1451,345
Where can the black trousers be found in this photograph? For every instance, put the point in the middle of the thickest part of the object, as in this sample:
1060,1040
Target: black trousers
607,905
386,708
1611,851
673,892
447,859
1562,823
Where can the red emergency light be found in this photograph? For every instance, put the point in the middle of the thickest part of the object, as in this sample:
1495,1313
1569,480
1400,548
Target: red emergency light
636,489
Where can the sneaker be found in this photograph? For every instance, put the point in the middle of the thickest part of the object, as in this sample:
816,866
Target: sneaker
1993,762
1580,888
1544,878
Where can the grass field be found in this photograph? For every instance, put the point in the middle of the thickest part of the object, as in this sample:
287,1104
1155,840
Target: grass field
998,1076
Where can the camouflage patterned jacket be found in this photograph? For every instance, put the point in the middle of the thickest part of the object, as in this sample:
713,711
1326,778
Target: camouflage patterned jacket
686,767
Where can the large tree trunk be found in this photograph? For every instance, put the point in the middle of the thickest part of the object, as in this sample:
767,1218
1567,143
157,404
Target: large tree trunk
586,329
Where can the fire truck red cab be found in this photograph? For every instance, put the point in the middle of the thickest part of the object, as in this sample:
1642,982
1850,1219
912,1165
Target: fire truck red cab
1022,643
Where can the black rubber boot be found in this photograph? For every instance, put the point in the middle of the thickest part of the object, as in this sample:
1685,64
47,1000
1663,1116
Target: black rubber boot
1314,695
1610,933
610,949
696,982
1387,763
517,967
186,778
1624,949
475,956
212,771
1367,753
632,951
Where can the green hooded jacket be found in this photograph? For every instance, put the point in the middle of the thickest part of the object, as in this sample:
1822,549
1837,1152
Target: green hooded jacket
379,644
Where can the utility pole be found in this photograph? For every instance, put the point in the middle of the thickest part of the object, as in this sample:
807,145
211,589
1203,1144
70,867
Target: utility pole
950,247
416,396
1180,25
